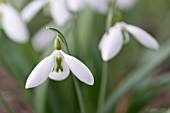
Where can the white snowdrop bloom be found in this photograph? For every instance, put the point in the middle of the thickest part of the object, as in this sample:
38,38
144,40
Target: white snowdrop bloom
57,66
125,4
60,9
99,5
113,40
12,24
59,12
29,12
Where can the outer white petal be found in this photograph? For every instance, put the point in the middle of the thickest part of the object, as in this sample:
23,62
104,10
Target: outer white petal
103,41
32,9
75,5
61,75
41,39
125,4
142,36
13,25
41,72
59,12
112,43
79,69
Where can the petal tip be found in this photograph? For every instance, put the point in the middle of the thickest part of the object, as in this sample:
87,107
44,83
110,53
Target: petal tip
157,46
91,83
27,86
105,58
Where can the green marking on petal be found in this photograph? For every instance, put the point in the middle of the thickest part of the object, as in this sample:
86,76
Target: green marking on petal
124,36
59,66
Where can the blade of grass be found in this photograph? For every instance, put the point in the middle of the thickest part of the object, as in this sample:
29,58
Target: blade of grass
40,97
148,91
79,94
103,88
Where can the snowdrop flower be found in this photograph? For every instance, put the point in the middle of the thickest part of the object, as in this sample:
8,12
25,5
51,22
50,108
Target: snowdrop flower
60,9
113,40
75,5
99,5
125,4
57,66
12,24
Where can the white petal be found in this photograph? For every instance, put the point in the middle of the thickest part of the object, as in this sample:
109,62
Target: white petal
99,5
103,41
40,72
32,9
13,25
112,43
75,5
42,38
79,69
59,12
125,4
61,75
142,36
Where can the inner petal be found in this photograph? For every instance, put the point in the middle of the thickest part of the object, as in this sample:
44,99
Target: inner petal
126,37
59,66
60,70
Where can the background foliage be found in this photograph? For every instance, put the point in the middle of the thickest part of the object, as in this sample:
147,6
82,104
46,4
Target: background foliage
136,76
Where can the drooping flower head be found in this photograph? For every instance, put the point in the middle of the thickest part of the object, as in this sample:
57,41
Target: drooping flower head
57,66
58,10
113,40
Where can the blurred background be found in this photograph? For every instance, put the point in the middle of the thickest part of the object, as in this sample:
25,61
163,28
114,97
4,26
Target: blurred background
138,79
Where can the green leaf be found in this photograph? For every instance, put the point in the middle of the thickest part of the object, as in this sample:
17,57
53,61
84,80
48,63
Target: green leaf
145,93
137,75
6,105
40,97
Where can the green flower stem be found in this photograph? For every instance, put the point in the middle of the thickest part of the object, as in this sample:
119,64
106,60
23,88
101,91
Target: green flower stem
78,90
79,94
102,88
103,85
112,12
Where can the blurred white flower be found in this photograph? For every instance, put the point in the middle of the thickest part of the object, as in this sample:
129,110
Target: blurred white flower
113,40
32,9
42,38
99,5
75,5
57,66
12,24
58,9
125,4
59,12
